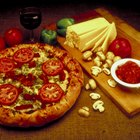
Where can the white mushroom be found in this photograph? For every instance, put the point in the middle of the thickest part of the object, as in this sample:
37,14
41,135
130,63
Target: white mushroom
84,111
98,105
112,83
97,62
94,95
101,55
101,108
110,55
95,70
109,62
87,55
97,58
105,65
106,71
96,67
92,83
116,58
87,86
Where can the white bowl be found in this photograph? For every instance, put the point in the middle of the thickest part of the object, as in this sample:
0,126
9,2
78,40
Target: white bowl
119,63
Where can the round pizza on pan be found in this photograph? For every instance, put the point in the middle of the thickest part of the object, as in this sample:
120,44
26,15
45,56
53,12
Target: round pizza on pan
38,84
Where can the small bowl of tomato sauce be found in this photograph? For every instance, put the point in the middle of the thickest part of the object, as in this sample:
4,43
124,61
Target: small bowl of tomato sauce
126,72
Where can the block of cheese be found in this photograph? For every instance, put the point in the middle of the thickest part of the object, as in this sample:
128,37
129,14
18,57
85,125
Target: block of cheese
94,35
76,34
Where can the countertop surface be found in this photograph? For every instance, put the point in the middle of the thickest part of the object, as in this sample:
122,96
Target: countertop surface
108,125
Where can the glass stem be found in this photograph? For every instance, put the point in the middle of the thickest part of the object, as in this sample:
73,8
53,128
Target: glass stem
32,36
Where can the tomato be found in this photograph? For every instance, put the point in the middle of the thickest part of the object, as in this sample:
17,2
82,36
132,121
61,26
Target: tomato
2,43
13,36
52,67
50,93
23,55
6,64
121,47
8,94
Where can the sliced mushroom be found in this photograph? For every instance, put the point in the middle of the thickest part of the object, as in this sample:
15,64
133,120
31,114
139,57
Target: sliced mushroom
92,83
101,55
95,70
112,83
116,58
110,55
84,111
98,105
94,95
106,71
87,86
87,55
109,62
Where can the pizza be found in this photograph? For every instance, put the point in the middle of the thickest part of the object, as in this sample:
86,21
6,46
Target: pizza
39,83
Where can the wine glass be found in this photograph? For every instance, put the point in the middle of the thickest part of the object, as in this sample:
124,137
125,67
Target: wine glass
30,18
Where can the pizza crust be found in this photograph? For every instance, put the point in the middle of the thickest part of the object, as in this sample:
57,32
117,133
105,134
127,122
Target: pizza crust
52,112
43,116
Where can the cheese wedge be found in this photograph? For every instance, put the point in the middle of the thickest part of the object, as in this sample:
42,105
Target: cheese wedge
94,35
78,34
111,35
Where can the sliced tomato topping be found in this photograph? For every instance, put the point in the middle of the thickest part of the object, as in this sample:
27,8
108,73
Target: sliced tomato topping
8,94
23,55
6,64
50,93
52,67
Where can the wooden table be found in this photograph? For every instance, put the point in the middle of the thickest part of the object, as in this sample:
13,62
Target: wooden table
111,124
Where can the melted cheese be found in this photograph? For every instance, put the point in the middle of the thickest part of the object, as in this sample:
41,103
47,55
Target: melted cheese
36,71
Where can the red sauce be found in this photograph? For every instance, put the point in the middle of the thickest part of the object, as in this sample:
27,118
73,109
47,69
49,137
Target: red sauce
129,72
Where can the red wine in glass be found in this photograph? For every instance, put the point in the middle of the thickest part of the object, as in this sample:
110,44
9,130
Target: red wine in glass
30,18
